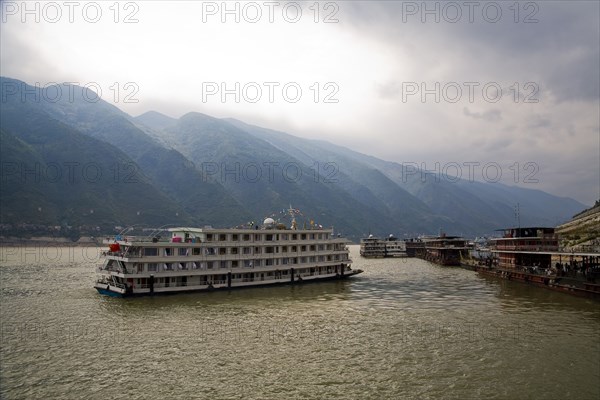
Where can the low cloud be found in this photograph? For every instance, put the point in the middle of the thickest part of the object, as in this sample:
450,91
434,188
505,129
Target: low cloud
493,115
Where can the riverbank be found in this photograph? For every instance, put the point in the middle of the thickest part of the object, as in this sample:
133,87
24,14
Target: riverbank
84,241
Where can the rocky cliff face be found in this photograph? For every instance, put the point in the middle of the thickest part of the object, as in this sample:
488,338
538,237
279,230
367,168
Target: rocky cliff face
582,233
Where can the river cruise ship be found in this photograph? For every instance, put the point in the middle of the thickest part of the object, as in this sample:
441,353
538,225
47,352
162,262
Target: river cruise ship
445,250
195,259
533,255
373,247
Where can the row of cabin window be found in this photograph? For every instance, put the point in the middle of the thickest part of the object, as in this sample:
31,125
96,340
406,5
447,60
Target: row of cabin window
529,243
234,237
180,280
211,251
158,267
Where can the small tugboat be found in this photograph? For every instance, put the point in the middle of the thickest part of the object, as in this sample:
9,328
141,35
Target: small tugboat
196,259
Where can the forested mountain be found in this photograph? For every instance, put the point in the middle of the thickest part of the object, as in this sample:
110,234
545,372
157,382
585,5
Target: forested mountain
155,170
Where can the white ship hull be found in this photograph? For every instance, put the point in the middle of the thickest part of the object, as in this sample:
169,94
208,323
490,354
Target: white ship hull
373,247
222,259
118,291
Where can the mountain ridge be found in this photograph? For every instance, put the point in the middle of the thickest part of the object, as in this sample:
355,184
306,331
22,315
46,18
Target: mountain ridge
204,166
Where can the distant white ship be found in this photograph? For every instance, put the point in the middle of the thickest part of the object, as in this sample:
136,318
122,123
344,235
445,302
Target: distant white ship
195,259
373,247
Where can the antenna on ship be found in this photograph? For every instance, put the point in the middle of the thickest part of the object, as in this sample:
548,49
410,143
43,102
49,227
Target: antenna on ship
119,236
293,215
154,233
518,216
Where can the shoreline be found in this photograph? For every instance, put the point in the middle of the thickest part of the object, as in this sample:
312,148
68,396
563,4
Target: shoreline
49,241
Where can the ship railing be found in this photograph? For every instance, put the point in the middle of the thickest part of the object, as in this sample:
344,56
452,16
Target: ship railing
178,284
113,253
109,269
536,270
526,248
111,283
136,239
122,254
101,269
119,285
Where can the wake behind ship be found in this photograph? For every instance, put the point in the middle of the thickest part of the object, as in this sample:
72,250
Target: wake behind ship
196,259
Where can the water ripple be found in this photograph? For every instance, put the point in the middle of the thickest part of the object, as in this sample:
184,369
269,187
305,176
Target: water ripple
402,329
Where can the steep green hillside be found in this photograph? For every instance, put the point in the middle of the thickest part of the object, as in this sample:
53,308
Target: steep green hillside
264,178
474,208
202,170
206,201
53,174
360,181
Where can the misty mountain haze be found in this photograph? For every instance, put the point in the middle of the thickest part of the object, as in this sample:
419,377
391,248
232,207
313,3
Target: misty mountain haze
199,170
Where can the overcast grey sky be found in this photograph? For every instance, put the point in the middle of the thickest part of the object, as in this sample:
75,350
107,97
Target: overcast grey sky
404,81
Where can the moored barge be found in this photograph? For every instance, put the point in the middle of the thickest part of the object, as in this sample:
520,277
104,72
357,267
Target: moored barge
532,255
